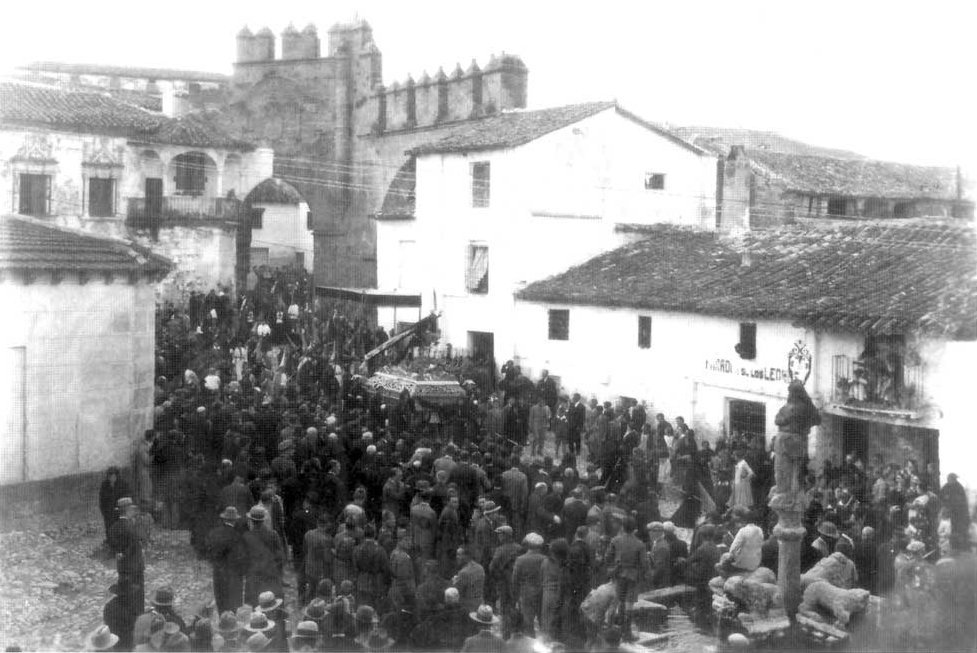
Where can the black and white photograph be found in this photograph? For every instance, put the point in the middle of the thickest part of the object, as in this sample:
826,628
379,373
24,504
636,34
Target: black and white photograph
505,327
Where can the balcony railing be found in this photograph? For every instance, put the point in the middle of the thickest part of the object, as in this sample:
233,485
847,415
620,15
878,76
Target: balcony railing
180,208
882,390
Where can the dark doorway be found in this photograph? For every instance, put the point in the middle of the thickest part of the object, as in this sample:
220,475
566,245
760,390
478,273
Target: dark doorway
854,438
481,345
747,417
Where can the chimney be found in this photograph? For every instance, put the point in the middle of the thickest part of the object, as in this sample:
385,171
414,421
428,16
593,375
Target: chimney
175,103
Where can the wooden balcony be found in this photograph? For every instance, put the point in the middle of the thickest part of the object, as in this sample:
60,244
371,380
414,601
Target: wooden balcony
180,209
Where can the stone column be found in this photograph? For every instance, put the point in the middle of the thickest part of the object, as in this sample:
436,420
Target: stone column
789,532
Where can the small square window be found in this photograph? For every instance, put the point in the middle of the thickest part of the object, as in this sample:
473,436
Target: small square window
257,218
481,184
746,347
654,181
559,324
309,224
644,331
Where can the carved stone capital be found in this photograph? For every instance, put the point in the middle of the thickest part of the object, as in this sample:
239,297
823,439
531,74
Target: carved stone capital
788,533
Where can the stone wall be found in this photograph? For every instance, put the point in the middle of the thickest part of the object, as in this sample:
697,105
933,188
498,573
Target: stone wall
86,354
203,256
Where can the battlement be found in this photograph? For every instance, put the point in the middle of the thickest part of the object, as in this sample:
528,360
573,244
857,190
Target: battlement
463,94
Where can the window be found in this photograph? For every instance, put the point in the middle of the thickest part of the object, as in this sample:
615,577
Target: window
190,173
35,195
309,224
477,276
559,319
257,218
837,206
644,331
101,198
654,181
481,184
746,347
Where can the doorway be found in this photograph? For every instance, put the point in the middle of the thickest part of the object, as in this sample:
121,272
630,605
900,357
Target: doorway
481,346
854,438
154,203
747,417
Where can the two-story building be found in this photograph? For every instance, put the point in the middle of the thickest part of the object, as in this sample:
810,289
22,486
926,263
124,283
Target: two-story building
485,208
89,160
879,319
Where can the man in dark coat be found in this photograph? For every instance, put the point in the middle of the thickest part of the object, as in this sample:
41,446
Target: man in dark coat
547,390
238,495
954,498
576,418
124,542
266,558
113,488
372,569
119,616
228,555
500,575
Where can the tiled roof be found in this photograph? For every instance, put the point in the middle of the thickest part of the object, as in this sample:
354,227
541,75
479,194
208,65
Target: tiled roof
400,200
720,139
200,129
32,245
32,104
868,278
806,168
509,129
126,71
274,191
858,178
47,105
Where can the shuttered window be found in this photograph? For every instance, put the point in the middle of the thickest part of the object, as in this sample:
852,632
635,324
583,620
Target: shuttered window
644,331
477,275
101,198
35,195
481,184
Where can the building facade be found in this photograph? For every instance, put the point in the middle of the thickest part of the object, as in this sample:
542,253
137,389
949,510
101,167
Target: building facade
87,160
77,349
714,329
281,226
521,196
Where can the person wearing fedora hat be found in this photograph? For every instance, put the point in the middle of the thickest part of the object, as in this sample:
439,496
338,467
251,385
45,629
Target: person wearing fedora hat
101,639
168,638
229,629
485,640
305,637
271,607
124,542
228,556
257,642
266,558
163,601
824,544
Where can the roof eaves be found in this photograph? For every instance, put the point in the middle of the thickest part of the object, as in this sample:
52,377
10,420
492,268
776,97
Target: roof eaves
664,133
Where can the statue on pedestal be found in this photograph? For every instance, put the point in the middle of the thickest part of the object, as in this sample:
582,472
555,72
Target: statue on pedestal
794,420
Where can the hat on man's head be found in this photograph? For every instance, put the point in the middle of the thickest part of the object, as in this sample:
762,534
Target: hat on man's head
257,514
163,596
267,602
167,638
505,529
484,615
259,623
229,514
828,529
534,540
307,629
123,503
366,615
668,526
101,639
315,610
228,624
915,547
451,596
655,526
257,642
490,508
346,587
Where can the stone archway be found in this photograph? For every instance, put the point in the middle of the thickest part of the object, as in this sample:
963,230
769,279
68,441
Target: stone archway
278,213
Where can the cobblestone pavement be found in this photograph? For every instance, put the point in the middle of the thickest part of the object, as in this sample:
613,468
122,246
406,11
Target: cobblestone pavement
55,581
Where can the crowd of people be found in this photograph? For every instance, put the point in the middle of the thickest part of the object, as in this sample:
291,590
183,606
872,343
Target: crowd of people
406,530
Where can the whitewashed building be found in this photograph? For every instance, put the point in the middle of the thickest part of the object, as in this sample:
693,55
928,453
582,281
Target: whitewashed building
89,160
77,349
281,226
881,320
509,199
